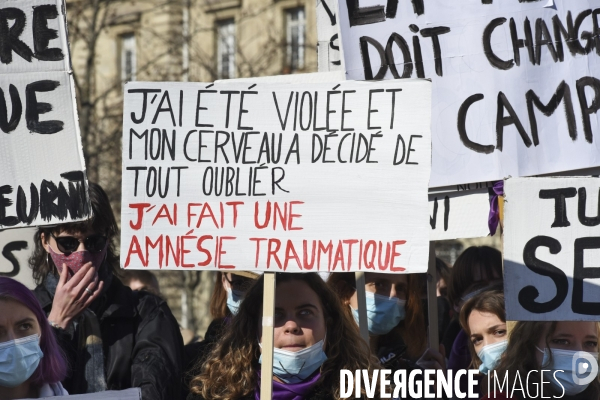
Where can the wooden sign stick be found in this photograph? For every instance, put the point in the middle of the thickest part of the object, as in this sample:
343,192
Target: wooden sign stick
362,305
434,339
266,369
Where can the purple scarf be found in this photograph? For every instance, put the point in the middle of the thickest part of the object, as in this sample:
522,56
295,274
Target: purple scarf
291,391
494,216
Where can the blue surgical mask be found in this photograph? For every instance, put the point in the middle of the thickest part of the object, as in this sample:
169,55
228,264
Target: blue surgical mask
296,366
18,360
234,298
563,360
490,356
383,313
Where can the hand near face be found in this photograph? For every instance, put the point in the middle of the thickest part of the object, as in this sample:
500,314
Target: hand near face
72,297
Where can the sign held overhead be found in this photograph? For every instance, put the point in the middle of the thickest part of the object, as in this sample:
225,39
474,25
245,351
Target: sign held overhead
42,172
516,85
552,248
276,177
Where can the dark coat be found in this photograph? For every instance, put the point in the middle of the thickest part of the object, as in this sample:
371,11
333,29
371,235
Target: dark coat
142,343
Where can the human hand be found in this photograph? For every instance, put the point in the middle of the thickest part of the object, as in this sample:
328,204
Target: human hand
72,297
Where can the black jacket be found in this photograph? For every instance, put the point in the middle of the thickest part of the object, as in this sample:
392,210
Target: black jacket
141,340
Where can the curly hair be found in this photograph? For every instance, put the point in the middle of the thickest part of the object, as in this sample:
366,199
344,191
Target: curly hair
103,221
490,302
520,356
230,371
411,330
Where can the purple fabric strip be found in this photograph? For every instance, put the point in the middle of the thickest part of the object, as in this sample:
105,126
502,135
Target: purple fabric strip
494,216
291,391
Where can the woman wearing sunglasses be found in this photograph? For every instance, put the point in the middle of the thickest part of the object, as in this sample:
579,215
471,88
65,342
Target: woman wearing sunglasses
114,338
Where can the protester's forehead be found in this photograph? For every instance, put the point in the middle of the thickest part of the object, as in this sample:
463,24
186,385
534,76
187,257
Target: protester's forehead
12,310
578,329
294,294
480,321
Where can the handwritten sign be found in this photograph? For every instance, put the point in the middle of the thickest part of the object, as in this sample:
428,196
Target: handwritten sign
459,212
276,177
42,172
329,51
516,84
16,246
552,248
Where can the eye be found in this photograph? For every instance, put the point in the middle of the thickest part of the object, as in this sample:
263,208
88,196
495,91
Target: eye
500,332
591,344
306,312
26,326
563,342
476,341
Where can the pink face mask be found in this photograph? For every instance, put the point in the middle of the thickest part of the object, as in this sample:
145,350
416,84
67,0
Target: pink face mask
76,260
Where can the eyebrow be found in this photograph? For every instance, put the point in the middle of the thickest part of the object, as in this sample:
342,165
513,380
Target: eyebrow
307,305
28,319
491,328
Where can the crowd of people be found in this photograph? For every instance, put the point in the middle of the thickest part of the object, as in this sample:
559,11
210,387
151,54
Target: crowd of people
88,327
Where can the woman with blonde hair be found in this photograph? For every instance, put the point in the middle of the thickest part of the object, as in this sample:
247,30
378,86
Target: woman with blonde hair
544,355
313,340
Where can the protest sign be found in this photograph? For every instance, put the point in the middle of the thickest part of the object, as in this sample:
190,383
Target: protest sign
329,53
127,394
459,212
552,248
516,84
276,177
42,172
16,246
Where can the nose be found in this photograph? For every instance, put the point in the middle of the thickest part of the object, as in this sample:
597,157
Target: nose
291,326
81,246
393,292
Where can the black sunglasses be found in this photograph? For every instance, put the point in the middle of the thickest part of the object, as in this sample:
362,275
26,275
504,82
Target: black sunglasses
93,243
240,284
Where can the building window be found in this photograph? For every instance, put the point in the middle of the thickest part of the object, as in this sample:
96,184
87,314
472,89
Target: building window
226,49
128,58
296,29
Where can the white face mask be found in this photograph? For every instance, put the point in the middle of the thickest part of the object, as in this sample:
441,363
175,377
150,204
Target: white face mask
296,366
564,360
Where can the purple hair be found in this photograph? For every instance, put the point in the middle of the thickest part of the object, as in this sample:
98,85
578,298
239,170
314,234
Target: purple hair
53,366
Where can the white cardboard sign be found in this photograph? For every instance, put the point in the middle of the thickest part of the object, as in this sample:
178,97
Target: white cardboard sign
460,212
329,48
42,172
552,249
276,177
516,85
16,245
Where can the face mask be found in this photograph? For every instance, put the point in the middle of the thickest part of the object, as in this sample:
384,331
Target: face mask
234,298
562,360
383,313
18,360
296,366
76,260
490,356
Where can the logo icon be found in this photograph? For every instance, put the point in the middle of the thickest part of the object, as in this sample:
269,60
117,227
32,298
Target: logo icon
584,367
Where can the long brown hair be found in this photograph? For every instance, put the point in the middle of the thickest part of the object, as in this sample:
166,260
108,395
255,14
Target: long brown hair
103,222
490,302
218,299
230,371
411,330
521,354
484,261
